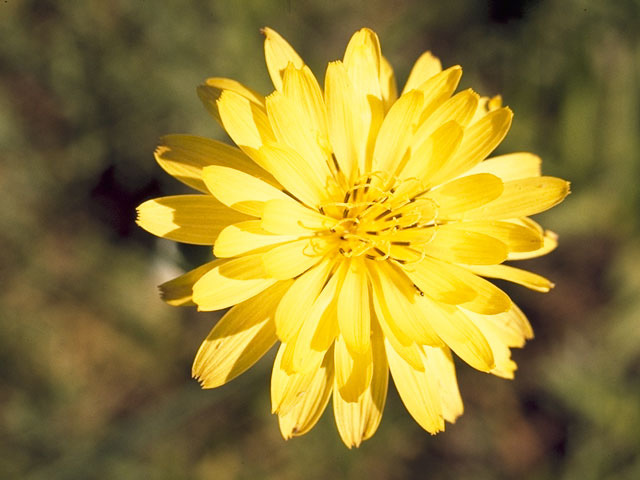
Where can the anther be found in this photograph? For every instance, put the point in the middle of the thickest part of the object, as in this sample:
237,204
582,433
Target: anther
386,212
347,196
367,182
395,217
414,224
335,161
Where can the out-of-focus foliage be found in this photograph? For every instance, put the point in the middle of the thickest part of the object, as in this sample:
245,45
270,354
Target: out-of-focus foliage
95,368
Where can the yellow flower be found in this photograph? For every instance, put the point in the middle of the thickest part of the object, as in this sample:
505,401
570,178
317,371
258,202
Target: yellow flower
355,227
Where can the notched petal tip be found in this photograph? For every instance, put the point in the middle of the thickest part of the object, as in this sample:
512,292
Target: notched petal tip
161,149
267,31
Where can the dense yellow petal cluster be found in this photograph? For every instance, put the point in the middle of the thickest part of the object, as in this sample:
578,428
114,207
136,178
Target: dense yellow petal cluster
356,228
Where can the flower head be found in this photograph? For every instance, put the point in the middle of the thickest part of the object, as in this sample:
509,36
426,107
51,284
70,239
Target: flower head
356,227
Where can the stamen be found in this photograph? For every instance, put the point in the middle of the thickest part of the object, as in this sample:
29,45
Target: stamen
363,247
379,251
341,222
423,255
386,254
347,196
335,161
366,186
383,214
414,224
395,217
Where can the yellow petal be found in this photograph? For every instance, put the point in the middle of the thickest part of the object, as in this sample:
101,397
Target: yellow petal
211,90
354,317
319,326
438,89
396,299
428,157
521,277
178,292
458,196
458,245
244,237
522,198
439,281
230,283
286,386
362,59
479,140
439,364
291,218
311,402
240,191
499,343
280,380
278,54
238,340
487,105
455,285
388,86
459,333
357,421
353,370
401,343
518,238
516,319
425,67
505,367
513,166
550,242
296,130
293,258
396,132
459,108
511,327
311,186
418,392
302,89
196,219
299,300
345,111
245,122
184,157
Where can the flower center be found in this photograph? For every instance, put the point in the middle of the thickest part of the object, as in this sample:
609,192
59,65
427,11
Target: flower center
382,224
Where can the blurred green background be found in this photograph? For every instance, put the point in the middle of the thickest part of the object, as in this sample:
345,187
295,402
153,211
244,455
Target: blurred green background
95,369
